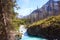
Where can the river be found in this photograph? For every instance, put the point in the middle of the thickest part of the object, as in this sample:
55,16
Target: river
25,36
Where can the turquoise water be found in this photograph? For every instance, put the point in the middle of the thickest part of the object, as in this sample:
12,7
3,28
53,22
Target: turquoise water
26,37
31,38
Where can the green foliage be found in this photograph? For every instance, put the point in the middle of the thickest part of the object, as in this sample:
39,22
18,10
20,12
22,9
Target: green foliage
53,20
15,23
23,21
6,13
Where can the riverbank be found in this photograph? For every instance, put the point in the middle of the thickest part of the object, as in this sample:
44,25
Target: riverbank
48,28
14,34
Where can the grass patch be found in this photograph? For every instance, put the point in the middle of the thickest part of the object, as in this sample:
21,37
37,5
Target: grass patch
53,20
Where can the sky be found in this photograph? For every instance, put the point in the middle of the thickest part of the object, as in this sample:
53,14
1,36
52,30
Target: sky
27,6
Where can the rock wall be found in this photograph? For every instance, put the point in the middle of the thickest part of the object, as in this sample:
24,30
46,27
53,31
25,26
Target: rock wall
52,31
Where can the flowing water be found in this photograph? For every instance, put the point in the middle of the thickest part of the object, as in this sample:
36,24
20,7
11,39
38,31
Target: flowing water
25,36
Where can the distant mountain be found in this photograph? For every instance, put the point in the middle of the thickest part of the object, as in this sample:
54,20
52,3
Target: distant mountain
51,8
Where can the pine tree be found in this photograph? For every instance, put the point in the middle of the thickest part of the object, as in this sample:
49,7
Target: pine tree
6,13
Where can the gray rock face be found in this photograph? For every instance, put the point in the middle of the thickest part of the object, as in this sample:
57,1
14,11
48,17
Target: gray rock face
49,32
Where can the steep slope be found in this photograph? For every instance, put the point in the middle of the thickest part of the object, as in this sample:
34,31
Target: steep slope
51,8
47,28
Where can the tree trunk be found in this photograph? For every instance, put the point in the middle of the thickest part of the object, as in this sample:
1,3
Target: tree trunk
4,22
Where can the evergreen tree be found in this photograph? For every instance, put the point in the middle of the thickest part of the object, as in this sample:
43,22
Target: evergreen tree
6,13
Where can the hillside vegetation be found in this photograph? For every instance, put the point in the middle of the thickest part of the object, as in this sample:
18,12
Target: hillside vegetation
47,28
53,20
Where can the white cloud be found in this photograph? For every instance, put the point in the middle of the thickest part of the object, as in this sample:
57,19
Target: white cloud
24,11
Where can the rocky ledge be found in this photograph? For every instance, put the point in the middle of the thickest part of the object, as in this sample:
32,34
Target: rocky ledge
49,29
